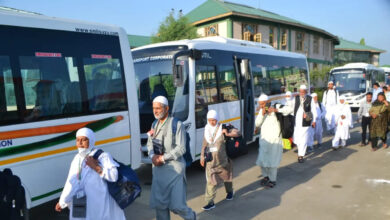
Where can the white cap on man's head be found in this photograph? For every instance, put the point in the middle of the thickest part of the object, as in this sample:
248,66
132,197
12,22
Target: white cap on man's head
342,97
288,93
330,82
263,98
304,87
314,95
161,99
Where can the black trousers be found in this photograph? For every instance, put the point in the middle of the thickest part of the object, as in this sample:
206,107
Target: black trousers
374,141
366,123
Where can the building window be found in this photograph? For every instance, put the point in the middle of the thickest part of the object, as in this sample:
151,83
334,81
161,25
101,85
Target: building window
212,30
249,31
272,36
284,39
316,45
257,37
299,41
326,48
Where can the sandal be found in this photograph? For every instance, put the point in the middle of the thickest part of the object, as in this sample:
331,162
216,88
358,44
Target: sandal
300,159
271,184
264,181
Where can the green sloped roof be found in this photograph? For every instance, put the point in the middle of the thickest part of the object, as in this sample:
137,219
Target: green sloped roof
213,8
350,45
138,40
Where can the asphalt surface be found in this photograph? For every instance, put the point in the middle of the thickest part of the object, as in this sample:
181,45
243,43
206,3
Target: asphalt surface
351,183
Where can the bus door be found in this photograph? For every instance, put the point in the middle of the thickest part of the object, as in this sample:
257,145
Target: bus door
246,95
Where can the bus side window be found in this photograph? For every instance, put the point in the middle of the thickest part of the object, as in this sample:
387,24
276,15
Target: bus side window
260,81
227,84
276,80
8,107
205,94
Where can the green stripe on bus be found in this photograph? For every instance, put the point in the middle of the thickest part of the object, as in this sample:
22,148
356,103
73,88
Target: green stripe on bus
95,126
46,195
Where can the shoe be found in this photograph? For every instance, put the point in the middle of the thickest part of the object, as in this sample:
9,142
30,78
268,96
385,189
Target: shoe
300,160
229,196
309,150
335,148
209,206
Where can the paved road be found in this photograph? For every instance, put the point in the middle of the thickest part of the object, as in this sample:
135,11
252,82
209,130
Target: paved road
344,184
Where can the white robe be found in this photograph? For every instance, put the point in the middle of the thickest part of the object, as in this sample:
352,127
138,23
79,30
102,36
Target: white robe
270,142
343,125
301,134
316,133
100,204
330,100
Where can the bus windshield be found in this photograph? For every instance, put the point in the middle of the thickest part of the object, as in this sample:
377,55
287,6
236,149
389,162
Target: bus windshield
154,78
350,82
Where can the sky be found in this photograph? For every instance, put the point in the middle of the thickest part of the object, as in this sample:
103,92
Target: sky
349,19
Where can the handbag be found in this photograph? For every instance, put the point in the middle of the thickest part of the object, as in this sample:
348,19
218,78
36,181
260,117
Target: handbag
79,205
208,156
309,116
158,147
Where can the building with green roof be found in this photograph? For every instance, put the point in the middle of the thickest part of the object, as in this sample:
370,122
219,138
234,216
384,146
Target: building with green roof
138,40
227,19
351,52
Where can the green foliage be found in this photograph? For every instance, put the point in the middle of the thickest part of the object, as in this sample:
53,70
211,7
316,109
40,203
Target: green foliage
175,28
362,41
320,74
385,65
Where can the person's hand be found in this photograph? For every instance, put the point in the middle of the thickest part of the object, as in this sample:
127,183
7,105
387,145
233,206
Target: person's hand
256,130
150,133
373,115
357,121
313,124
304,115
342,116
202,161
158,160
58,207
263,111
386,102
91,162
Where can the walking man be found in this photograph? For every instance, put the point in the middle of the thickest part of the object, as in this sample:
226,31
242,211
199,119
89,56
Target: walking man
166,151
329,100
343,123
316,132
365,118
304,113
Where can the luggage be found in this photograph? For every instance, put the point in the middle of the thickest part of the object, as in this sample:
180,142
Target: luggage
127,188
234,146
13,201
286,124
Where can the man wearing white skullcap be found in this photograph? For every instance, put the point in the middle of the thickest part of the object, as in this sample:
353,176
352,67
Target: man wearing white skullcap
88,177
166,150
316,132
343,123
270,142
304,113
330,99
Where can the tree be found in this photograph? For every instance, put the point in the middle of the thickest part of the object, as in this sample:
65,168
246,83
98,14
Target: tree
175,28
362,41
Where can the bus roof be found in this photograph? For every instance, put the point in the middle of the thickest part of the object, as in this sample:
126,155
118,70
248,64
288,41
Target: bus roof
386,69
13,17
227,44
365,66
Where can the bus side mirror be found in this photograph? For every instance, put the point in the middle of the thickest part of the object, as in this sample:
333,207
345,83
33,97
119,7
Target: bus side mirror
244,66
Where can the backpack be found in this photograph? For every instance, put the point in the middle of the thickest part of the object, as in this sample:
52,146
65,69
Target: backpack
187,155
235,146
14,200
286,124
127,188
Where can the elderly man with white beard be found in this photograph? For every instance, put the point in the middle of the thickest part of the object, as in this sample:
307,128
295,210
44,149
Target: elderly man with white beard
166,151
304,113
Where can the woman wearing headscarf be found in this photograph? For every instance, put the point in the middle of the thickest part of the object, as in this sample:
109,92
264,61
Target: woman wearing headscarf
219,168
379,123
87,177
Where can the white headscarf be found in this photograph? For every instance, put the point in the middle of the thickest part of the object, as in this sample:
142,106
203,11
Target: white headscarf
288,93
86,132
209,130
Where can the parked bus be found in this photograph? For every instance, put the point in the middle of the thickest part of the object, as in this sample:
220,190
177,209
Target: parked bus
57,76
354,80
387,74
226,75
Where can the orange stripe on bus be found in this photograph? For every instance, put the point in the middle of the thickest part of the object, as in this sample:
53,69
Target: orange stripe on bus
45,130
58,151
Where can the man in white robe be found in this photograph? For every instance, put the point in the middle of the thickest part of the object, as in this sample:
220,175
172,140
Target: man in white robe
270,142
330,99
343,123
375,91
88,176
316,132
169,184
304,109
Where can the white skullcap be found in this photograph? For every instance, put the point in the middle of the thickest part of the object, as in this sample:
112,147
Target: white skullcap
303,87
161,99
330,82
86,132
342,97
263,97
212,114
288,93
314,95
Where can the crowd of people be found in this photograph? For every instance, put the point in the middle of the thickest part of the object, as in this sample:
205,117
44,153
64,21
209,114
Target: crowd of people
166,147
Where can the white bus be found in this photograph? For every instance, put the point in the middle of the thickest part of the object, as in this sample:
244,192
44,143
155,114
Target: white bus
213,73
56,76
354,80
387,74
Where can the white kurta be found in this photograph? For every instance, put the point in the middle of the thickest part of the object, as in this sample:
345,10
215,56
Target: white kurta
316,133
343,125
100,204
330,100
270,143
301,134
